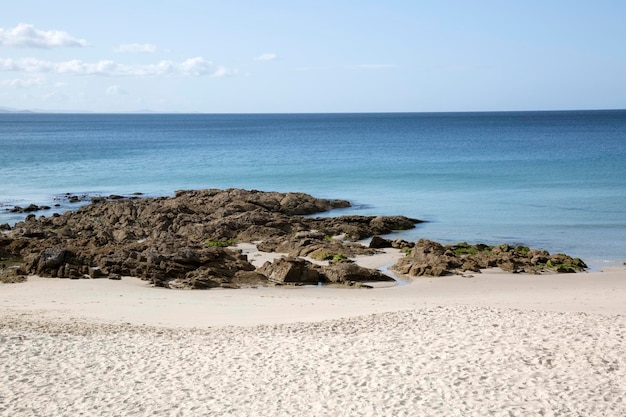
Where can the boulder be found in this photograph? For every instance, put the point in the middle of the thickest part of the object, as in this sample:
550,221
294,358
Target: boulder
291,270
426,258
378,242
350,272
53,262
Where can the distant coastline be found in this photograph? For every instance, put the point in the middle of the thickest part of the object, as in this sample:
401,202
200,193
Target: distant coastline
165,112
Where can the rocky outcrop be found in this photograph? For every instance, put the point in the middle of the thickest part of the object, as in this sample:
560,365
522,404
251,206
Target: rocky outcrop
30,208
182,241
297,271
434,259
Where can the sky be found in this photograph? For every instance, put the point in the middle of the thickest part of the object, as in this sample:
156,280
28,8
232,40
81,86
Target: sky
303,56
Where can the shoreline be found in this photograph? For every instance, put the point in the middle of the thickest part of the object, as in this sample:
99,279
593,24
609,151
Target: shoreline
136,302
63,202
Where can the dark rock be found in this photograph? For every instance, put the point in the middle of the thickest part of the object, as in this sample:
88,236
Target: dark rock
378,242
291,270
29,209
52,258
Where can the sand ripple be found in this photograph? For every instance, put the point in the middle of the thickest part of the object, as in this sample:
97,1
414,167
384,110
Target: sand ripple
453,361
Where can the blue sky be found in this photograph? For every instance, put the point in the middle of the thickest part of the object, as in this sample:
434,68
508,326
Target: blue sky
312,56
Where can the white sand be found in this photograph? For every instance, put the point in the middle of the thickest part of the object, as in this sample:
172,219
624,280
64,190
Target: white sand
490,345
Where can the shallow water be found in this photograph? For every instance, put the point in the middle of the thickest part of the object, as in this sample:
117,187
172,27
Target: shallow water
552,180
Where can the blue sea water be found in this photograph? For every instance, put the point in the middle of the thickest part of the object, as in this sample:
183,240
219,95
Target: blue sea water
552,180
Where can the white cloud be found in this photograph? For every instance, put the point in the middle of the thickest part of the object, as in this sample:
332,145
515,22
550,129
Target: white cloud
116,90
194,67
25,35
25,64
266,57
197,66
22,83
137,48
78,67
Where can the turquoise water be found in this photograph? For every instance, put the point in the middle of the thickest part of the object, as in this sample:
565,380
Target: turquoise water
554,180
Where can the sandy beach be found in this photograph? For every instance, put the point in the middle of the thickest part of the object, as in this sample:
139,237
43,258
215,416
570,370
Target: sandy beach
490,344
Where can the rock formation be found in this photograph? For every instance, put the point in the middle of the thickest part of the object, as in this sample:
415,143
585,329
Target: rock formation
434,259
182,241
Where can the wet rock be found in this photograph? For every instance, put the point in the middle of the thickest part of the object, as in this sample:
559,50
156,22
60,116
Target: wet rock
29,209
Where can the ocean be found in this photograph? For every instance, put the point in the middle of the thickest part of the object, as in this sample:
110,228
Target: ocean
550,180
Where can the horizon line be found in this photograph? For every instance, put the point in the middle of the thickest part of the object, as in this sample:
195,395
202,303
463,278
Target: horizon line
6,110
